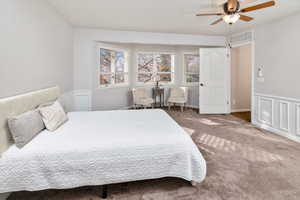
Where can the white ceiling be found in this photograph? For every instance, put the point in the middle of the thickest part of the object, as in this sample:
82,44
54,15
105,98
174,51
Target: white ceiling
172,16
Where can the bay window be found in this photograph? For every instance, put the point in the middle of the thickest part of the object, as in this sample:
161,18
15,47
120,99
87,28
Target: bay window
155,66
191,68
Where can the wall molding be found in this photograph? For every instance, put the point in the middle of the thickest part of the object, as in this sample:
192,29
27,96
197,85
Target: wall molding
277,131
298,119
283,114
271,111
282,118
277,97
240,110
82,100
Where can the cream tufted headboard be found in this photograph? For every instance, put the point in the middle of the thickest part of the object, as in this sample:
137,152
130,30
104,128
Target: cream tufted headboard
16,105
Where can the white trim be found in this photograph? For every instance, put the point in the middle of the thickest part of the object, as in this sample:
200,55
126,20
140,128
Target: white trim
126,67
252,43
228,77
240,110
252,77
183,66
84,93
278,97
113,86
298,119
276,131
271,123
293,116
241,44
281,118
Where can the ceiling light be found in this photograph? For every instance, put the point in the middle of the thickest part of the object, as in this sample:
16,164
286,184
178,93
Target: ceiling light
231,19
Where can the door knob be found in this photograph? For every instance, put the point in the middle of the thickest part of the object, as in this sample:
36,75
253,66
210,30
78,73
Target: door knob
201,84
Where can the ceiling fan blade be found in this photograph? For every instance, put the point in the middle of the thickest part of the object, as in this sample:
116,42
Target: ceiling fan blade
217,21
259,6
209,14
246,18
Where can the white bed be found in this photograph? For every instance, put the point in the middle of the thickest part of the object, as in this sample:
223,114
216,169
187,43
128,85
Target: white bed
103,147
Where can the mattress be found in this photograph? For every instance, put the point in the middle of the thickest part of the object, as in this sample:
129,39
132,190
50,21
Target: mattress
103,147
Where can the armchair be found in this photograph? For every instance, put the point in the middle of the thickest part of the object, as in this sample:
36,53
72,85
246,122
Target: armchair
178,96
141,98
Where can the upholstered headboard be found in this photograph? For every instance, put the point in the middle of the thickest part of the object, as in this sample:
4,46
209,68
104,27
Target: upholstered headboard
16,105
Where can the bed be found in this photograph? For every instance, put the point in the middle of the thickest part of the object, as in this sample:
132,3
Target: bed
99,148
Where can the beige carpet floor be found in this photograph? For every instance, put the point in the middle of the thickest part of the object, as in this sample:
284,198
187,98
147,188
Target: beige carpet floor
243,162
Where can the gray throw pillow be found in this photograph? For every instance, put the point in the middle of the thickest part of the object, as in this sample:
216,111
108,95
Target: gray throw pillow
25,127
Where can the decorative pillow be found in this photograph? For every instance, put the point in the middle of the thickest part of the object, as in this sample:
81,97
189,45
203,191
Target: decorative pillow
53,115
25,127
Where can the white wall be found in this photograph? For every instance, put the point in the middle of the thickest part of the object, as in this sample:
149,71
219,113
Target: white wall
277,50
85,60
277,97
36,48
241,72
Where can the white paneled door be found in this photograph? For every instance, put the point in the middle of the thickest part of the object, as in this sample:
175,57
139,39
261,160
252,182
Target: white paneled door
214,81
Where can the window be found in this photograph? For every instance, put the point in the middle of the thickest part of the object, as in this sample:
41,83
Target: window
155,64
113,68
191,68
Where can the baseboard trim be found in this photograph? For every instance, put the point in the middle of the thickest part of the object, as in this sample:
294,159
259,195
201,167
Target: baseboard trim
277,131
192,106
4,196
240,110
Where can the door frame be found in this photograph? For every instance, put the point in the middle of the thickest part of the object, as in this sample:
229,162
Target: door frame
252,43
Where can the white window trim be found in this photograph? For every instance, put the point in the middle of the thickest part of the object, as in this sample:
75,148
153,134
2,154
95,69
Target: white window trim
127,71
151,83
184,71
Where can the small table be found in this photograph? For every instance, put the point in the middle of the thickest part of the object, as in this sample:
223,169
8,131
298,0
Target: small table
161,93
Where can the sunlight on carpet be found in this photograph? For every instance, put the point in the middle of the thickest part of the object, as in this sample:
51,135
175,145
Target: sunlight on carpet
245,150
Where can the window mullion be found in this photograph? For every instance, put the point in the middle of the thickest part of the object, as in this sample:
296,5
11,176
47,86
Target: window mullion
113,67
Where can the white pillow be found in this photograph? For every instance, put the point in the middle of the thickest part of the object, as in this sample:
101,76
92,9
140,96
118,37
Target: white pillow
53,115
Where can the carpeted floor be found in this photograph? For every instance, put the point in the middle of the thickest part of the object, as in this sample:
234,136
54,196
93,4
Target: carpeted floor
243,162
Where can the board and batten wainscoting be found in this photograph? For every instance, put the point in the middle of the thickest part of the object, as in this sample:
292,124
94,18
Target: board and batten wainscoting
280,115
82,100
120,98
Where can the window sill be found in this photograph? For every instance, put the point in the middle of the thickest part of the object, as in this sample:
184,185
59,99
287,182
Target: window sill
191,84
113,87
150,85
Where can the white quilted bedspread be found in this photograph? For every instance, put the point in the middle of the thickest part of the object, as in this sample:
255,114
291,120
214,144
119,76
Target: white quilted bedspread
103,147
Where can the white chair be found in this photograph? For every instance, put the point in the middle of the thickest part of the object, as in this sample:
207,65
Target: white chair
178,96
142,98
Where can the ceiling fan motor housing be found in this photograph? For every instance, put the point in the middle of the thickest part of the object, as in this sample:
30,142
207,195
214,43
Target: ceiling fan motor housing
232,8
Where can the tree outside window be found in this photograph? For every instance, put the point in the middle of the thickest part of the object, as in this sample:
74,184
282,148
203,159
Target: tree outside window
113,68
155,64
191,68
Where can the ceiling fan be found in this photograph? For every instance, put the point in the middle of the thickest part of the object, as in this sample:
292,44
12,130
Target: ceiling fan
232,12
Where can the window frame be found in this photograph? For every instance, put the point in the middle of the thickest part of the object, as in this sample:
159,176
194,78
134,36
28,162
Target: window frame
173,57
184,69
126,67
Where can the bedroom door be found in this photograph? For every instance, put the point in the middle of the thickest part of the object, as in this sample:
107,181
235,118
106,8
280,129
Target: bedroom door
214,81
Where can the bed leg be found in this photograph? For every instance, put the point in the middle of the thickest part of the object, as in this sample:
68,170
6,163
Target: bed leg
104,192
193,183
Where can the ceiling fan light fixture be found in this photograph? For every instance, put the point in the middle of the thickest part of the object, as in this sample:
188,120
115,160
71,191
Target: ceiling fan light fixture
231,19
